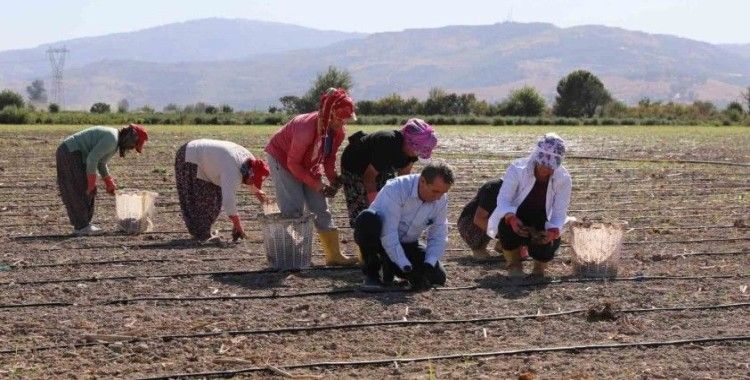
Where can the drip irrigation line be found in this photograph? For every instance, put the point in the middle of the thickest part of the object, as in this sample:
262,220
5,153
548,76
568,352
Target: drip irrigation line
351,290
198,245
658,160
362,325
506,284
26,305
464,355
234,257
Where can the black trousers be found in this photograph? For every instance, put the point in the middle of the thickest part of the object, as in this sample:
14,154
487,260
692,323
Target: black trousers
367,229
510,240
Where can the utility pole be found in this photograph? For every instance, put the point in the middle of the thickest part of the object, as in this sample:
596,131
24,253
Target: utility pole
57,61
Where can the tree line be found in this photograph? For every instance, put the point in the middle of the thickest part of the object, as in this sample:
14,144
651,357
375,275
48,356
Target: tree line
580,95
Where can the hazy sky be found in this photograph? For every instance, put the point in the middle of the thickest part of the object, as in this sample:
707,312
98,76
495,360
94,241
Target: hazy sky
29,23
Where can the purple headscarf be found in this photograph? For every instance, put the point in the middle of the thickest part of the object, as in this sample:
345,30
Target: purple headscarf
549,151
420,136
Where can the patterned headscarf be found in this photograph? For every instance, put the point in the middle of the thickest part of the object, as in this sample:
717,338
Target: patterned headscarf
335,101
549,151
420,136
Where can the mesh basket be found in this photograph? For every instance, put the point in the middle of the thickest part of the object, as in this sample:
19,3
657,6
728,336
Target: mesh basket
135,210
597,248
288,241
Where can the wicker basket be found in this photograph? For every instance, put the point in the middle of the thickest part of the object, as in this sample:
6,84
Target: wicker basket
597,248
288,241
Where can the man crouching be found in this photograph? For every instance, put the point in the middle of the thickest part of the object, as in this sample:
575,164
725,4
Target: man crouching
388,232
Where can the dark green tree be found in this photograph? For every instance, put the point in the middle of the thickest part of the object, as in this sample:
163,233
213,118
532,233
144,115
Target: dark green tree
53,108
291,104
524,101
579,94
10,98
333,77
100,108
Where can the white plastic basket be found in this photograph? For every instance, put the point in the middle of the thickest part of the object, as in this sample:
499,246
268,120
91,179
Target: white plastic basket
288,241
135,210
597,247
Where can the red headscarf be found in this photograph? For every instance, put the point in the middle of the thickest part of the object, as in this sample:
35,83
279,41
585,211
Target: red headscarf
260,172
142,136
337,102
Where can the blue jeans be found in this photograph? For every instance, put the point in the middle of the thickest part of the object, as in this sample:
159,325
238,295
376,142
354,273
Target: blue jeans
292,195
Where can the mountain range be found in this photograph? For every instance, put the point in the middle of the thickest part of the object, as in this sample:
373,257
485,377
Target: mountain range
250,64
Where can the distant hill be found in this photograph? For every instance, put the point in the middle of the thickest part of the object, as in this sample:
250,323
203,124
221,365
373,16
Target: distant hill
739,49
211,39
488,60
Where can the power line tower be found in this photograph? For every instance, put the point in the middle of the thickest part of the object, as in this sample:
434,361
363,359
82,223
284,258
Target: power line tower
57,60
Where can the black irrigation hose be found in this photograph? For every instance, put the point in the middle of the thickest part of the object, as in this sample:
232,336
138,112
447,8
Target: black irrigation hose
658,160
465,355
211,259
25,305
345,326
349,290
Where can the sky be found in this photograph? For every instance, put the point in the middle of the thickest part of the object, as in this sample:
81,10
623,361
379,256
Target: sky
28,23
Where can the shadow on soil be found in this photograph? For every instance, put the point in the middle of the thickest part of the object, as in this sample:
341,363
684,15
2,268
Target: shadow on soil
512,288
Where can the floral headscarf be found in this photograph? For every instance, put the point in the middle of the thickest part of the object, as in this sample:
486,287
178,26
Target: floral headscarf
549,151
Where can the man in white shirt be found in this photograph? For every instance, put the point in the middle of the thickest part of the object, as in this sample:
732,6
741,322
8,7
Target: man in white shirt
388,232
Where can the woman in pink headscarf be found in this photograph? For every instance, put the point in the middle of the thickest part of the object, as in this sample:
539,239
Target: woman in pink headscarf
371,159
300,153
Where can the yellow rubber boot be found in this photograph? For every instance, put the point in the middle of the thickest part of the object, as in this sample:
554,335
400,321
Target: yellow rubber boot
513,262
329,241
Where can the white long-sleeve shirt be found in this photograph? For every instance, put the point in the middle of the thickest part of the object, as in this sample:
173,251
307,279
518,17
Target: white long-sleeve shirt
517,184
219,163
405,216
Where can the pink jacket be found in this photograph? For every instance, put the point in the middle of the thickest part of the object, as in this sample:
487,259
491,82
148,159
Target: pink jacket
299,149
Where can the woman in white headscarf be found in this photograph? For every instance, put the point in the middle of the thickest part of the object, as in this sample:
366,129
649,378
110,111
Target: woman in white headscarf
532,206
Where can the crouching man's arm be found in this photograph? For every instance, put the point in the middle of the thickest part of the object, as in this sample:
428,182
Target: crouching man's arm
389,210
437,236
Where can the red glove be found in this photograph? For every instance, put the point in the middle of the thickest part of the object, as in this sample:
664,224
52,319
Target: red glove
237,231
91,184
516,225
552,235
371,196
109,182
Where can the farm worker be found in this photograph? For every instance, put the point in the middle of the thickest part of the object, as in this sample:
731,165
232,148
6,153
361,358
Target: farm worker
388,232
299,154
472,222
208,174
532,206
79,157
371,159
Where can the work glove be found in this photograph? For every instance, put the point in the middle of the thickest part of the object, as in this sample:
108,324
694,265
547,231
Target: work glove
516,225
328,191
109,183
237,231
91,184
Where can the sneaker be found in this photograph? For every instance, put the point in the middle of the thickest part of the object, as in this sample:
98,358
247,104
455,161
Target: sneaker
371,284
481,254
89,230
